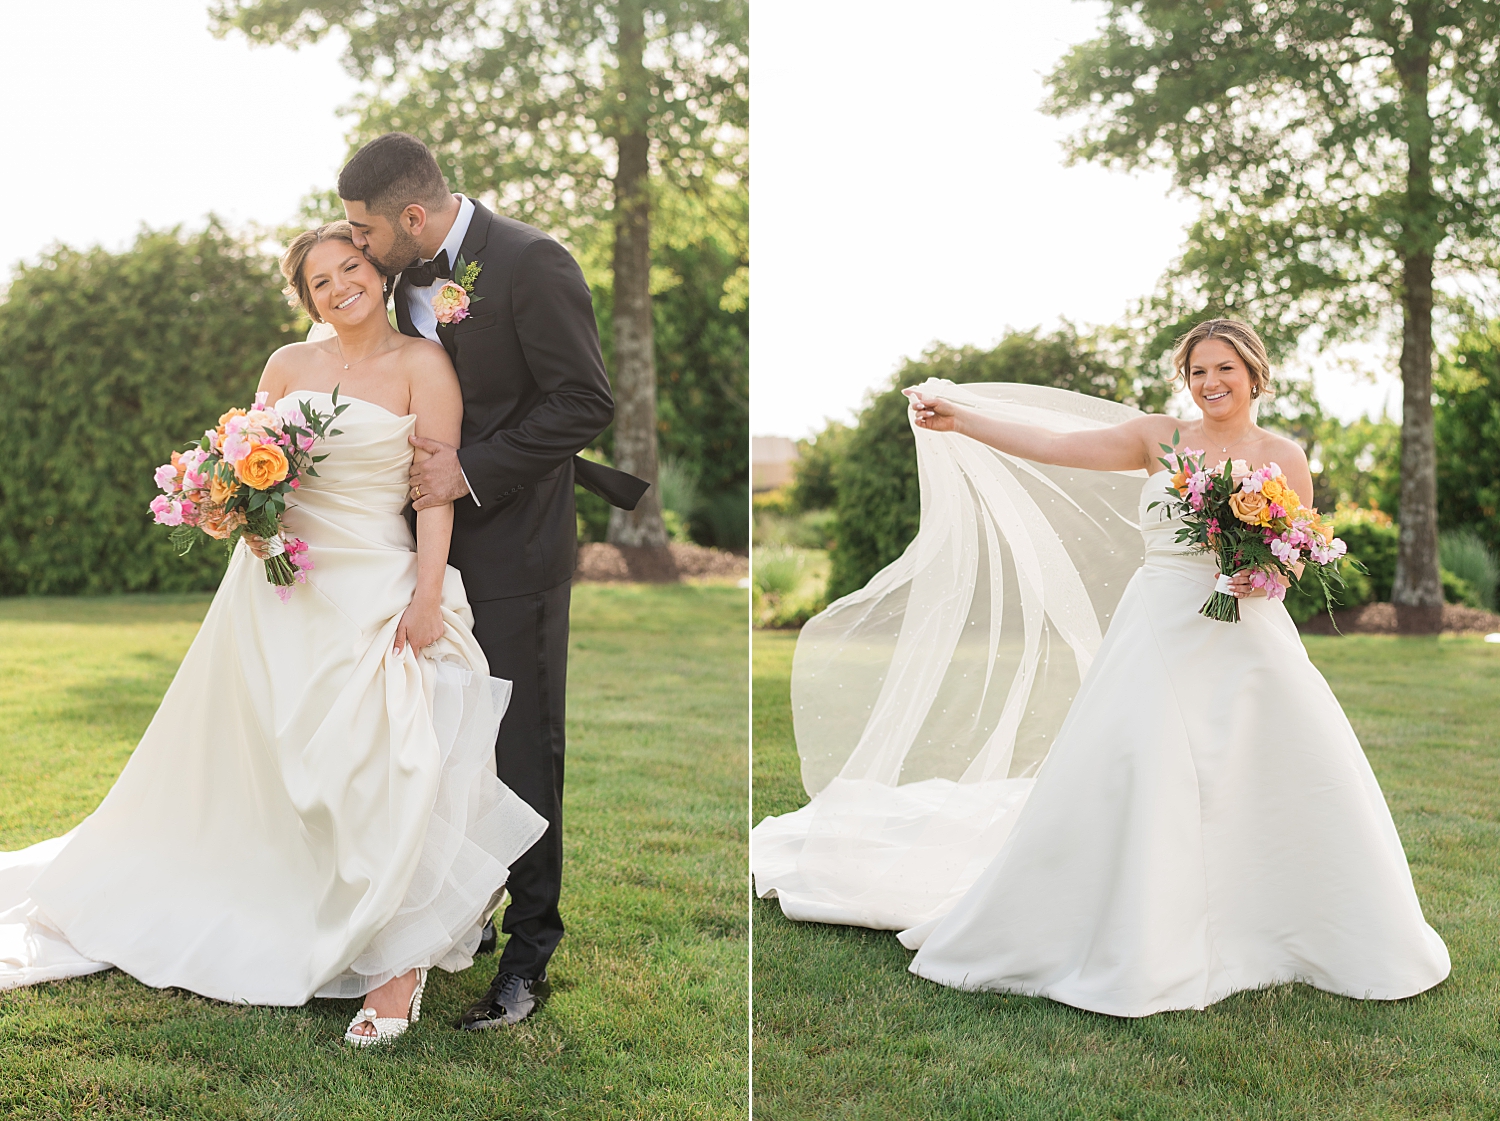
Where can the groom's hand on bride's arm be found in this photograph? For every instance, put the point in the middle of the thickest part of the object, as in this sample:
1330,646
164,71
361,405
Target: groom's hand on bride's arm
438,479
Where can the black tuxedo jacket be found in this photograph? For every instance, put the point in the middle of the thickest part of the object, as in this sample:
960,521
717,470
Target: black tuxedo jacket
535,394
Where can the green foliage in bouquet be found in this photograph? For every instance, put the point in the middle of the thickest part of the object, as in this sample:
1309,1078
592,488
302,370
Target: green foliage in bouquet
1212,523
103,356
250,506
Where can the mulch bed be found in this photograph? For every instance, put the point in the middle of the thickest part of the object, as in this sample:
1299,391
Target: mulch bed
1380,618
601,563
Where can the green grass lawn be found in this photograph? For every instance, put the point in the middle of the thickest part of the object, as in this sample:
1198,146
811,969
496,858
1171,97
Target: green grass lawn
843,1031
647,1018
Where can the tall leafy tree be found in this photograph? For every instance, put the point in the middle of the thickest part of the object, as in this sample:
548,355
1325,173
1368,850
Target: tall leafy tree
570,113
1347,155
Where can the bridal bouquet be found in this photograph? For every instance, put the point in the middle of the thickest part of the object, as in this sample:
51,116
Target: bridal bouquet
236,479
1253,521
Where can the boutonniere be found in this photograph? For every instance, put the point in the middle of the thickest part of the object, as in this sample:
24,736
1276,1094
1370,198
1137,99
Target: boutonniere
450,303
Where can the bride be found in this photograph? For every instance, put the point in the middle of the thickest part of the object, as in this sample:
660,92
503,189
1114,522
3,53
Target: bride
313,811
1205,820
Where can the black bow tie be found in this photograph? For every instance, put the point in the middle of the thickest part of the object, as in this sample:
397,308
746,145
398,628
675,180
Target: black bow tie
424,276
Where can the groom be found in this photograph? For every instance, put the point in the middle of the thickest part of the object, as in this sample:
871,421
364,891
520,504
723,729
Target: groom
535,394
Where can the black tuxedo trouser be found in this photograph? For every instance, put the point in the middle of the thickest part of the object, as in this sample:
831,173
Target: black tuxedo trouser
525,639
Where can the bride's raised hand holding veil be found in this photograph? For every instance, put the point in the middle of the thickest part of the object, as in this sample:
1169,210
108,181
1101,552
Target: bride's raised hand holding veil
1031,755
313,810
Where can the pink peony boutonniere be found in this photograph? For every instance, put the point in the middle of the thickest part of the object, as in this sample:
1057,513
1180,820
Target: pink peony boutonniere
450,303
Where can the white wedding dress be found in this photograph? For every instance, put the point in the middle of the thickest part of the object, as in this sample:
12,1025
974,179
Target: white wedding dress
308,813
1204,821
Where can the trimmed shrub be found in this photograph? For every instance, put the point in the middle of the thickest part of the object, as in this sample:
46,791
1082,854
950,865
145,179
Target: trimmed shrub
1466,426
875,471
1372,539
1464,553
108,362
1305,599
723,519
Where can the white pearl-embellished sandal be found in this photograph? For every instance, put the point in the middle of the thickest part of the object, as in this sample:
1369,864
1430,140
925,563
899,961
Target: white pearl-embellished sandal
387,1027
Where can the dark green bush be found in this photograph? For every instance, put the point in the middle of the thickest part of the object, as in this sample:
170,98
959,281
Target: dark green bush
108,362
593,515
1466,426
1372,539
1305,598
813,486
723,519
875,474
1458,590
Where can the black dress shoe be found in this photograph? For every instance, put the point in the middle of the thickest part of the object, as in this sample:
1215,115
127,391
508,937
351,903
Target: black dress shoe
487,939
509,1001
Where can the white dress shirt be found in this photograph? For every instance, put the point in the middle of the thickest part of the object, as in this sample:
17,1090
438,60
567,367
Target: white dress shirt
419,300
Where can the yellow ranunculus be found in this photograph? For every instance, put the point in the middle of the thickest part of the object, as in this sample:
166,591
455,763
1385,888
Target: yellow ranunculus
263,468
220,489
1276,490
1250,506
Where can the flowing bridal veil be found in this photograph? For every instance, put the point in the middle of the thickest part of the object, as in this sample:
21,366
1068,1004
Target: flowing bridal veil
925,702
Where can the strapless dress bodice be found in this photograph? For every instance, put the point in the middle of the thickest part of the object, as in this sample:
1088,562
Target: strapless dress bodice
368,461
1159,533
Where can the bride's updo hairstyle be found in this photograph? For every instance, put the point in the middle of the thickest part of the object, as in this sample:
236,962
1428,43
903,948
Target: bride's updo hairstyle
1246,344
294,262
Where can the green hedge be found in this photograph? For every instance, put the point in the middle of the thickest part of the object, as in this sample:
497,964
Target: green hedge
1373,540
875,464
1466,427
107,363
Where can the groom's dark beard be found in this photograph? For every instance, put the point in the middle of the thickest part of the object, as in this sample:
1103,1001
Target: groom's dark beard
404,252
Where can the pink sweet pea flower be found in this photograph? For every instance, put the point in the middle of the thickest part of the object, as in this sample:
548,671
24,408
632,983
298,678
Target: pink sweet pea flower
167,511
236,446
166,478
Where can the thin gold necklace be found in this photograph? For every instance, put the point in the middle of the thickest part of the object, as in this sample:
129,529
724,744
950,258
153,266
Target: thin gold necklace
338,342
1224,449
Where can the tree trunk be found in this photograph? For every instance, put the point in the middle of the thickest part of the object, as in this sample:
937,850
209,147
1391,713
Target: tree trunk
1418,590
635,344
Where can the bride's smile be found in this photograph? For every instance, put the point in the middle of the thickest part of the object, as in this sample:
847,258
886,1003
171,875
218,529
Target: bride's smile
340,279
1220,384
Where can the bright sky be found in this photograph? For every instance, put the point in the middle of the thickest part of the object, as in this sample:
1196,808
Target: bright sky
129,113
907,189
